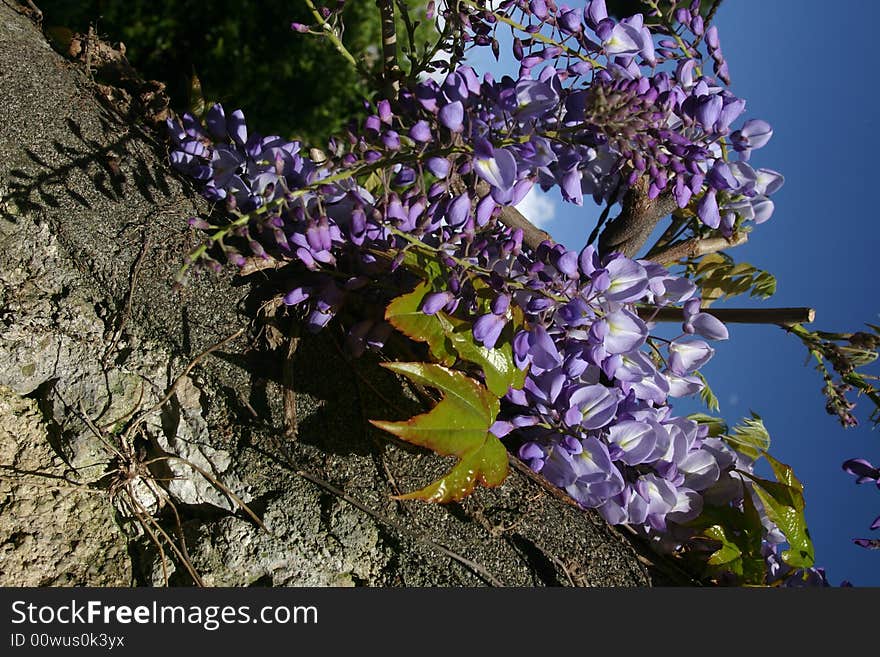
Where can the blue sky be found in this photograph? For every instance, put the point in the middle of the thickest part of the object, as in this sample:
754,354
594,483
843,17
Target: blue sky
785,59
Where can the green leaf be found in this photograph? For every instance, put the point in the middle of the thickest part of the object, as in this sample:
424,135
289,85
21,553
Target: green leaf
751,437
783,501
197,103
754,566
717,426
425,266
719,277
706,394
457,426
373,183
497,364
404,313
449,337
728,555
741,528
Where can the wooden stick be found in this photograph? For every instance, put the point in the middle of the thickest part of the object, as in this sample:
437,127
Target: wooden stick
780,316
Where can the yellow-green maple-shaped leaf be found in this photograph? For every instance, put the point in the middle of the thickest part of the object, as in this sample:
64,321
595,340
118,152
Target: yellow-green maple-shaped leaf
457,426
404,313
497,364
449,338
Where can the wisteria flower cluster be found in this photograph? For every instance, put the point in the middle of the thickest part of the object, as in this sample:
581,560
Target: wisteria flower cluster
426,178
631,109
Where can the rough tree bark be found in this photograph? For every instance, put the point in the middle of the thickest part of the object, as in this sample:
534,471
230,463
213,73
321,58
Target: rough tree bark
92,225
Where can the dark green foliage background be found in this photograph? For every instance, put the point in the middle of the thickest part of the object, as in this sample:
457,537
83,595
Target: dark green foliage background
244,53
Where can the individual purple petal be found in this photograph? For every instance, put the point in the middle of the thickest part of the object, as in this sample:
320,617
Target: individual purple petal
542,349
625,332
459,210
237,127
623,40
711,38
384,109
588,261
595,13
568,264
721,177
216,122
372,124
683,386
862,469
768,182
688,505
634,440
421,131
758,132
428,94
501,428
595,405
700,469
558,468
629,280
871,544
686,357
500,304
708,326
708,110
439,166
435,301
569,20
733,107
485,208
487,329
391,140
571,187
296,296
452,116
533,455
707,209
538,9
762,209
498,168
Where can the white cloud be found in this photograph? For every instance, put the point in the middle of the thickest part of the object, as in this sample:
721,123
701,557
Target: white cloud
537,207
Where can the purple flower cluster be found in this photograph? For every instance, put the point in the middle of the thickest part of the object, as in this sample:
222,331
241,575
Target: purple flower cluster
594,407
630,109
428,173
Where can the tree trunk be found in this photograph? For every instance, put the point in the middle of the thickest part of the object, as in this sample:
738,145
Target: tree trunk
93,230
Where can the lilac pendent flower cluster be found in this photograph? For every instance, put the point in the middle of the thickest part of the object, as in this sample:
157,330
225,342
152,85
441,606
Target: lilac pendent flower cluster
594,406
594,412
633,108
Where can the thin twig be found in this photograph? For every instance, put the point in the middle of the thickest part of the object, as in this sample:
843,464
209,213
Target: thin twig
424,540
541,481
189,368
472,565
217,483
602,219
132,282
288,396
